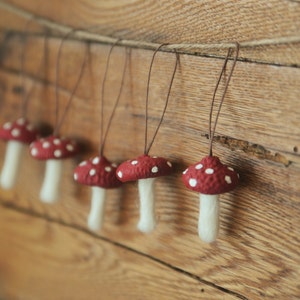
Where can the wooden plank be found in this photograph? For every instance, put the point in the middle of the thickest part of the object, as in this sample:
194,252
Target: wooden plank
258,240
180,22
42,260
274,90
16,22
257,254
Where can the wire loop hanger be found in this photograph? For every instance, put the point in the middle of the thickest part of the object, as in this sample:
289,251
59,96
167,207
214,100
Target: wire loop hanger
59,122
146,146
104,133
212,129
27,95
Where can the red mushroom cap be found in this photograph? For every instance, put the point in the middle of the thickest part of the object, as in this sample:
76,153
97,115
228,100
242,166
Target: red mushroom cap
53,147
97,171
20,130
210,177
143,167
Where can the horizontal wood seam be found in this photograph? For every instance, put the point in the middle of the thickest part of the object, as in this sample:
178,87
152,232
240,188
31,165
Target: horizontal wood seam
14,207
253,150
8,33
83,33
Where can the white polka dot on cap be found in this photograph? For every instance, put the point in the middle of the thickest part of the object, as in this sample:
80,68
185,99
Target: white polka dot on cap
228,179
57,153
199,166
16,132
96,160
92,172
34,151
154,169
192,182
209,171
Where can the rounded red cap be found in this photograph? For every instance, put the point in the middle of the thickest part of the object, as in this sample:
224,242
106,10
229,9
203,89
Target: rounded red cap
97,171
53,147
20,130
210,177
142,167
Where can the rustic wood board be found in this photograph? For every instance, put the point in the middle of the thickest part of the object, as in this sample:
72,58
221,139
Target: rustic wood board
45,260
177,22
257,254
266,114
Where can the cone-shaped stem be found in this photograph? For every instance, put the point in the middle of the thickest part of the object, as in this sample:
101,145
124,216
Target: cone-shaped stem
96,215
14,150
50,189
208,225
147,220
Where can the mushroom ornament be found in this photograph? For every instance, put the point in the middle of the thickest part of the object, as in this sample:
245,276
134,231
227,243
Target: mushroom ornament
100,174
145,169
18,134
210,178
53,150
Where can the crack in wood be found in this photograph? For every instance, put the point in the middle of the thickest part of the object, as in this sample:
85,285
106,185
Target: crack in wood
13,206
252,149
52,34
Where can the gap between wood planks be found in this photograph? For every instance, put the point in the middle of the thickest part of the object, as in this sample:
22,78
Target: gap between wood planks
251,149
84,33
138,45
254,150
14,207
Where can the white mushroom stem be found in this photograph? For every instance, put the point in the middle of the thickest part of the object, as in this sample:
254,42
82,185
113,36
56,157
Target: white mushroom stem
96,215
50,189
147,220
208,225
11,165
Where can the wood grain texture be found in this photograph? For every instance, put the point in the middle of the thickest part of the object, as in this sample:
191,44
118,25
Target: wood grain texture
265,113
50,261
180,22
257,254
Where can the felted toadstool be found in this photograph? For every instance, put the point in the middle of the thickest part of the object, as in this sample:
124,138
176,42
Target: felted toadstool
21,132
53,149
18,134
209,177
100,174
145,169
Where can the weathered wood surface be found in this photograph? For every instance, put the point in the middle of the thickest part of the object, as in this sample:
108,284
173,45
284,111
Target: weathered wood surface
178,22
46,260
257,254
266,114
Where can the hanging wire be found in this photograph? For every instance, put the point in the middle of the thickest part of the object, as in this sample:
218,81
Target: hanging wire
210,129
103,137
229,52
59,122
27,95
148,147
